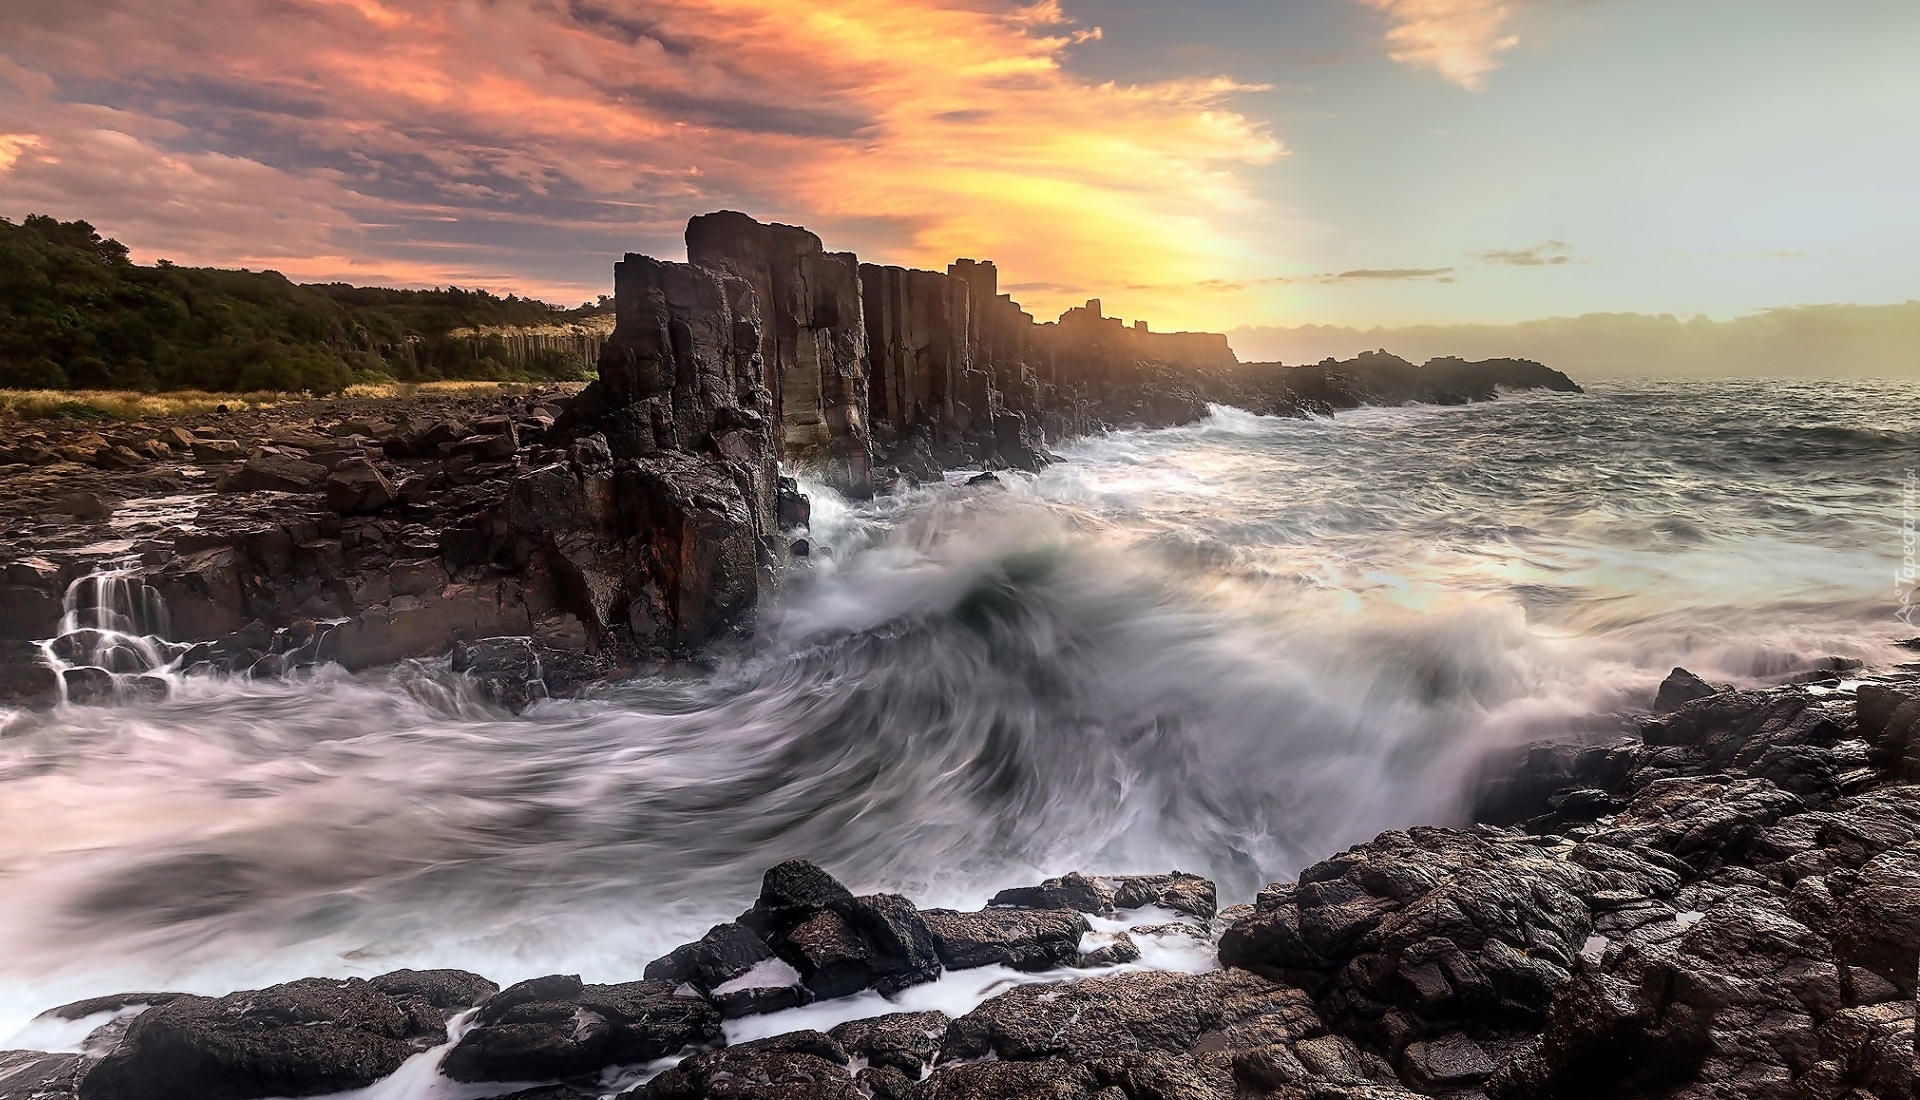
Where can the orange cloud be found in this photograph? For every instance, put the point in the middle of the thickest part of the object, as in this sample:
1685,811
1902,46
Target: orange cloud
1462,40
547,135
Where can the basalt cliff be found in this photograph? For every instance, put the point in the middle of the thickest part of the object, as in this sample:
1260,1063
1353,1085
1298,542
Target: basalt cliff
642,519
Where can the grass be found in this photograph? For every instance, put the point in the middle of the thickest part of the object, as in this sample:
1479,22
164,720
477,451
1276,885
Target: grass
128,405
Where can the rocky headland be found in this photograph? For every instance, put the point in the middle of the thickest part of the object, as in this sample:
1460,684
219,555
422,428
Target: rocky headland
1726,905
551,537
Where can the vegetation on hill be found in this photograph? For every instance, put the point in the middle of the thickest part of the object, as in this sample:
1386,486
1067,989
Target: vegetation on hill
76,312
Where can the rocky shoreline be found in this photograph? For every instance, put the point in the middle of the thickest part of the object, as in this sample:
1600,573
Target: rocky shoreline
561,534
1726,905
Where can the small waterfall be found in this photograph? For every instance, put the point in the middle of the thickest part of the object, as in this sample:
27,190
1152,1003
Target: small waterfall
112,641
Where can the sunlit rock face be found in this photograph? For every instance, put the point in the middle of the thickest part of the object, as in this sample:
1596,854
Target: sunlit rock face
813,338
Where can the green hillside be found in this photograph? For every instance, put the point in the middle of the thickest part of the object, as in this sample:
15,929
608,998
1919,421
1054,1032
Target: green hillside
76,313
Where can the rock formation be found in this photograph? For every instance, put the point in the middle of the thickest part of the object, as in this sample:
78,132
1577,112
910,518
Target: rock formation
813,339
641,519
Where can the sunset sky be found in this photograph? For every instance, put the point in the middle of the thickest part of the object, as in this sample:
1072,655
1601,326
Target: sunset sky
1236,162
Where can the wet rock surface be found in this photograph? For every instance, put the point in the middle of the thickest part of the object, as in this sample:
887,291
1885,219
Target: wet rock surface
304,1038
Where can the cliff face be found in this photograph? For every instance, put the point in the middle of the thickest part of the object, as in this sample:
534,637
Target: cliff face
813,338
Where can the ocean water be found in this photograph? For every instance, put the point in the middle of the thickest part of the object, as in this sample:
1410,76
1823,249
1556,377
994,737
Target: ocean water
1232,648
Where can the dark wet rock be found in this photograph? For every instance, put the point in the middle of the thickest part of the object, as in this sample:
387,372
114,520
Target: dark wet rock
1680,687
1070,891
88,686
116,1002
1520,786
792,509
556,1027
1706,821
726,952
450,991
790,893
1115,950
906,1041
802,1065
1876,916
1450,1061
1889,722
1179,891
1140,1011
86,506
1009,1081
304,1038
356,485
1734,998
885,1082
1424,933
1022,939
277,473
1870,1049
37,1075
878,942
24,677
515,672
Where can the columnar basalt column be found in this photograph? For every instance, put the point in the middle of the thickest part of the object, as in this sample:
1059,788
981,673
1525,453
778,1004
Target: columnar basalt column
813,338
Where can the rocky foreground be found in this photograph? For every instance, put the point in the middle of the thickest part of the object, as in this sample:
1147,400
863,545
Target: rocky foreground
640,520
1726,906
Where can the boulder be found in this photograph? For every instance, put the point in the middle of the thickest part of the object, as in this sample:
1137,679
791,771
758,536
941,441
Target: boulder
1426,933
1680,687
1877,916
277,473
1179,891
906,1041
878,942
450,991
801,1065
356,485
726,952
215,451
1141,1011
556,1027
1070,891
304,1038
1021,939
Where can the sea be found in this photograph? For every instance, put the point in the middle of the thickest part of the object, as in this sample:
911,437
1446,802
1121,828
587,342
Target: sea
1231,648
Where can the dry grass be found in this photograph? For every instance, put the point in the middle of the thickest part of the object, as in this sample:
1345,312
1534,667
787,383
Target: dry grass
128,405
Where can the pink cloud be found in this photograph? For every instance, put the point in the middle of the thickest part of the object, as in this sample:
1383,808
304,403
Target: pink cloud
1462,40
441,136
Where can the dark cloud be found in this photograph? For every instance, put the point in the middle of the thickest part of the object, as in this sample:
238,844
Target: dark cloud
1546,254
1391,273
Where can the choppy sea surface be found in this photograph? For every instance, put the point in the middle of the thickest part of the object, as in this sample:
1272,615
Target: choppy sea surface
1232,648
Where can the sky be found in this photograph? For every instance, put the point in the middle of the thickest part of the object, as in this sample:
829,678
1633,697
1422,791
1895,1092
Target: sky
1236,164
